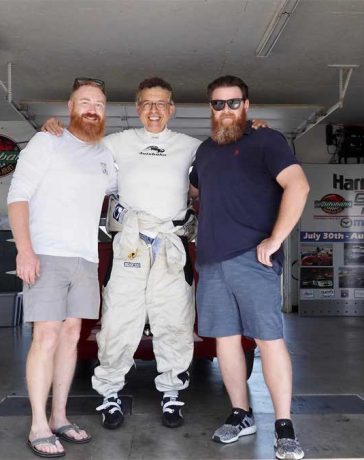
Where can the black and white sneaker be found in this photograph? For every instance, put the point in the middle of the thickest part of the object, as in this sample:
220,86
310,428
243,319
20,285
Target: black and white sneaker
286,444
171,412
111,412
288,449
239,423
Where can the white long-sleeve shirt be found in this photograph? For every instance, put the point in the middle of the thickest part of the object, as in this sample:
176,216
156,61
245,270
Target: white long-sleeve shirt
64,180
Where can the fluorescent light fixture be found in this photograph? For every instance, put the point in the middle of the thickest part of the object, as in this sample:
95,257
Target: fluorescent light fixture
276,27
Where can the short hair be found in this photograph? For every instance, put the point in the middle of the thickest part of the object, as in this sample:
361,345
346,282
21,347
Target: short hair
153,82
94,82
228,81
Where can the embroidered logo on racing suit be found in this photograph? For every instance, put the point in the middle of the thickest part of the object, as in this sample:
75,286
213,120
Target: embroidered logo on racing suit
153,150
132,264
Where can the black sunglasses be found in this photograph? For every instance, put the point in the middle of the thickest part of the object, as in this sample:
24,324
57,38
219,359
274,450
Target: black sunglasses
88,81
233,104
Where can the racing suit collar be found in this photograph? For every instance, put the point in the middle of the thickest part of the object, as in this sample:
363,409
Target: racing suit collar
156,136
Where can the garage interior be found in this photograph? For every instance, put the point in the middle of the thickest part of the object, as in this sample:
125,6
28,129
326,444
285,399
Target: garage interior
303,61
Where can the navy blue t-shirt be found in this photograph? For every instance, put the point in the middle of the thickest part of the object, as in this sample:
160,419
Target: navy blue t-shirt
239,194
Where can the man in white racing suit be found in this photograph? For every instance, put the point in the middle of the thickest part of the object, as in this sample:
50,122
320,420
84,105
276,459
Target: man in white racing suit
148,276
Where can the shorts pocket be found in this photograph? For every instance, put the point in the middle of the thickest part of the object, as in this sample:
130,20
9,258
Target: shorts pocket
277,267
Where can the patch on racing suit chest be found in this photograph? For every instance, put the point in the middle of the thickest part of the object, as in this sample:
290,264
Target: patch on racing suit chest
132,264
132,254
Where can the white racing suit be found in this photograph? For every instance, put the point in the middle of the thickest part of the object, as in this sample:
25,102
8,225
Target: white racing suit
146,280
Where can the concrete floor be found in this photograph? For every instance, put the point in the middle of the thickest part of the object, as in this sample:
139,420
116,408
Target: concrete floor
327,358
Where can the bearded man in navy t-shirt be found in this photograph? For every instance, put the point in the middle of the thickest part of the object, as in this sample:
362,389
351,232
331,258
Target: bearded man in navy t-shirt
252,193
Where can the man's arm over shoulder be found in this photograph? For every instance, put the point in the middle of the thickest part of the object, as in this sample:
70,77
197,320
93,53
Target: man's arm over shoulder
53,126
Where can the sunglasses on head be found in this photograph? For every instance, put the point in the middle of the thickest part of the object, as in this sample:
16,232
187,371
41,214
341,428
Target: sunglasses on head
88,81
233,104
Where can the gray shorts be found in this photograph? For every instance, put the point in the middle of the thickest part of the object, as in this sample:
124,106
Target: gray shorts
240,296
67,288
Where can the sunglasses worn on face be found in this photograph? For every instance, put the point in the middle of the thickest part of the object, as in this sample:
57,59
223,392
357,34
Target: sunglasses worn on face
160,105
233,104
87,81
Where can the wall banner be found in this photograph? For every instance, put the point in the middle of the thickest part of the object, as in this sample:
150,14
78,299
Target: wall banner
331,246
9,154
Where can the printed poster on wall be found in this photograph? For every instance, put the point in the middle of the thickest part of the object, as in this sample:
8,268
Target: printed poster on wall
331,251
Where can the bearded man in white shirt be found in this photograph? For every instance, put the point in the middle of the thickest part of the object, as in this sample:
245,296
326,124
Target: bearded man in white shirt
55,200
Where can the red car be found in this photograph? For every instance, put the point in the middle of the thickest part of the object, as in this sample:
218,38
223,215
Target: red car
321,258
204,347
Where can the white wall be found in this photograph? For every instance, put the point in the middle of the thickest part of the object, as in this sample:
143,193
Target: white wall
311,147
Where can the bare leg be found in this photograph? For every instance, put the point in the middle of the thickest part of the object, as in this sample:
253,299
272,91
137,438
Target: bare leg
64,368
39,373
277,371
232,364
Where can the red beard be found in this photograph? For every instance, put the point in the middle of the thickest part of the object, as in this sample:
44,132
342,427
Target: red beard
226,134
88,131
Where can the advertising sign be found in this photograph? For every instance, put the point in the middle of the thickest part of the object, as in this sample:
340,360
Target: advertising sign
331,249
9,153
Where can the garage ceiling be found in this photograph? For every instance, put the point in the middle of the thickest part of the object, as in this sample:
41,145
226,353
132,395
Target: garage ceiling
187,42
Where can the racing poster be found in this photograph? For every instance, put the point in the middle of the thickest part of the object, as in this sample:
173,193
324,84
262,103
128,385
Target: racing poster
331,247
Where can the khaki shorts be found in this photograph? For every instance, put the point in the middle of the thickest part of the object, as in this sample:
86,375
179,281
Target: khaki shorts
67,288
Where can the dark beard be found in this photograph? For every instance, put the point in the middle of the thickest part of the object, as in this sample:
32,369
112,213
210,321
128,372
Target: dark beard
222,134
85,130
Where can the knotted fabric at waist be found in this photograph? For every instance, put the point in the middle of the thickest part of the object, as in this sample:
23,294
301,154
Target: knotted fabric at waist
135,223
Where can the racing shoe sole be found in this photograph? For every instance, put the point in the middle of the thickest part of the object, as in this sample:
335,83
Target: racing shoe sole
113,425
